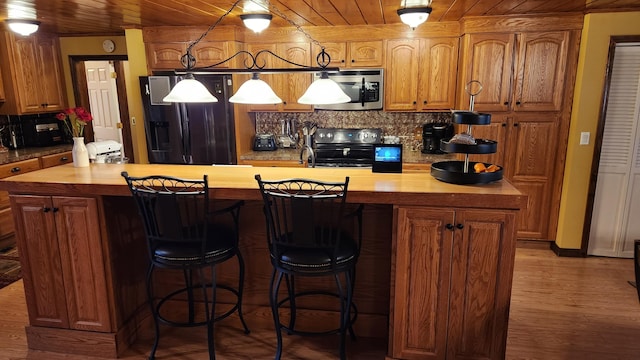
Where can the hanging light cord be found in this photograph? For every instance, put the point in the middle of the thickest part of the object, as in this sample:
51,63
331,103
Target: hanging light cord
189,61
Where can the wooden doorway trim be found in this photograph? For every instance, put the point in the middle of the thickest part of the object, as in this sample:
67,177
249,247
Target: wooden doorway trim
597,146
81,94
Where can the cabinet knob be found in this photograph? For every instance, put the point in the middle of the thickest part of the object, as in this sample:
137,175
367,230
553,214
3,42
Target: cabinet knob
504,125
284,103
425,102
517,102
342,61
353,60
449,226
46,209
15,169
506,103
516,124
64,158
55,209
415,102
460,226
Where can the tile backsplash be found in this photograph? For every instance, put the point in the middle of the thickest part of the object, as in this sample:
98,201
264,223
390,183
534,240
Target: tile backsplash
402,124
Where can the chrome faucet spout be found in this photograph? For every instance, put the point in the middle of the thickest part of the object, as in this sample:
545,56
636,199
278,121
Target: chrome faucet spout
310,154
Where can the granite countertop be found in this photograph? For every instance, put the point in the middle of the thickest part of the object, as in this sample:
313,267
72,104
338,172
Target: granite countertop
14,155
408,156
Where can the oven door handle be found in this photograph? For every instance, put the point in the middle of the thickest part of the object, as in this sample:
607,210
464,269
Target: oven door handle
362,92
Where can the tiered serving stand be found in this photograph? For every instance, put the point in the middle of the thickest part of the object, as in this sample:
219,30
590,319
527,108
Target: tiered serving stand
462,172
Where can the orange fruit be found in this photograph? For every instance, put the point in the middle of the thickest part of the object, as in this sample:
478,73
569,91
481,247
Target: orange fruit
492,168
479,167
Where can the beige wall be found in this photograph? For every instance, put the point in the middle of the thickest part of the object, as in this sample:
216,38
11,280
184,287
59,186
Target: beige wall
137,66
86,45
594,49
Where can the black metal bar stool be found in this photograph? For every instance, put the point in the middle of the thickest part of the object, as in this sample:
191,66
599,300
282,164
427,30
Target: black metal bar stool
307,233
183,233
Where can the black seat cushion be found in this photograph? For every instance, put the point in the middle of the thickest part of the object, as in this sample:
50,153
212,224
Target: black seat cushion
317,261
220,246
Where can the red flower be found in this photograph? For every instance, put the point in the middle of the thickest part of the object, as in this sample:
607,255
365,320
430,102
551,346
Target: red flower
74,120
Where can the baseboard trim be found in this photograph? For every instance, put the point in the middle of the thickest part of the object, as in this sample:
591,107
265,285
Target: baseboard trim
567,252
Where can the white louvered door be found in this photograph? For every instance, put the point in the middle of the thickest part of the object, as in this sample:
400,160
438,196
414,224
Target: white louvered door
615,220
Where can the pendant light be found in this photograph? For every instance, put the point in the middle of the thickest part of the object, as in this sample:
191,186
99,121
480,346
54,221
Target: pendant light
255,91
324,91
24,27
190,90
256,22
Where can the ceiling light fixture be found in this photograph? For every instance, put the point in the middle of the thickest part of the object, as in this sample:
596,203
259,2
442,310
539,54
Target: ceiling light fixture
256,91
414,16
256,22
24,27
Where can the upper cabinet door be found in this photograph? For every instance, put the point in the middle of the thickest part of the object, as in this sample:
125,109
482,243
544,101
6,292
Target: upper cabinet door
336,50
209,53
541,71
28,77
366,54
166,56
438,73
294,85
401,80
488,59
51,83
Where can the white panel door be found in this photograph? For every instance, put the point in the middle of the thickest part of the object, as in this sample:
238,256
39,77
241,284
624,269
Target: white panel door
103,98
615,221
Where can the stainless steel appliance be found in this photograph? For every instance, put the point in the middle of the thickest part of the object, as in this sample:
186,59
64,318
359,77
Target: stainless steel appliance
345,147
432,133
363,86
107,151
42,132
194,133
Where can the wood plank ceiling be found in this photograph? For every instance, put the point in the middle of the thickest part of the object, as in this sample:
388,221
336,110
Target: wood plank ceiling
113,16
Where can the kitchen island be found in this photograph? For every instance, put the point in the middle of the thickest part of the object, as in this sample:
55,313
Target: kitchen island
434,277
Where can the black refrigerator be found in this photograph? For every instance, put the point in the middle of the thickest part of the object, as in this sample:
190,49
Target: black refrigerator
188,133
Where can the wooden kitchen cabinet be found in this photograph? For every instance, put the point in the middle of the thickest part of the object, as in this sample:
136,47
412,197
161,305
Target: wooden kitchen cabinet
32,74
519,72
288,86
453,272
421,74
2,97
526,151
64,276
353,54
167,56
7,229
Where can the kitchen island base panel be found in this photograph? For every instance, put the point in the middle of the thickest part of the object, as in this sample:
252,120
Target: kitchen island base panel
380,304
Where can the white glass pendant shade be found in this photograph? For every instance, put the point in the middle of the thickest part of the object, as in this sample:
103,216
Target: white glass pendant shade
414,16
255,91
324,91
23,27
256,22
190,90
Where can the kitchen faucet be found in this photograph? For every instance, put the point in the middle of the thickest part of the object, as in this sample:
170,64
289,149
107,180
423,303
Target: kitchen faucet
310,153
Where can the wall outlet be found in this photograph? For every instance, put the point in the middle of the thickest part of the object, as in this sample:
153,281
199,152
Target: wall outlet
584,138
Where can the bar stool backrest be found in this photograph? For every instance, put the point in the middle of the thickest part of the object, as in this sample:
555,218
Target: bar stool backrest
174,211
304,213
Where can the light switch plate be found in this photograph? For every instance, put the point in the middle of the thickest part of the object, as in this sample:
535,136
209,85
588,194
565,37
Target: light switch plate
584,138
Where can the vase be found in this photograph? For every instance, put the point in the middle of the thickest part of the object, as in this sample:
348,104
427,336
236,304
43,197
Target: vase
80,153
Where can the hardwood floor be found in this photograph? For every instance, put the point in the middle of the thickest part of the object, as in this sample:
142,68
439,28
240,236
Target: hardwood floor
561,309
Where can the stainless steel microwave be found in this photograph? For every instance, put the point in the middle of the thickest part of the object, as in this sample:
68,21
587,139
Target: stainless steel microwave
363,86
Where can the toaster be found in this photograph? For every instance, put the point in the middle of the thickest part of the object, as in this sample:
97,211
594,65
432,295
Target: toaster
264,142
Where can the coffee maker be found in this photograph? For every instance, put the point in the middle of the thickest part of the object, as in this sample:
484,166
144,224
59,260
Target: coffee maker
432,133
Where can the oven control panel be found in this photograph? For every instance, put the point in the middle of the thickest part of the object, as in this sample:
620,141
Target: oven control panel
348,136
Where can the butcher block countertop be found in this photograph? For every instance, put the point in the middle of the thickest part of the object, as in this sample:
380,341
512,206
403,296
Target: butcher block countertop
413,187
